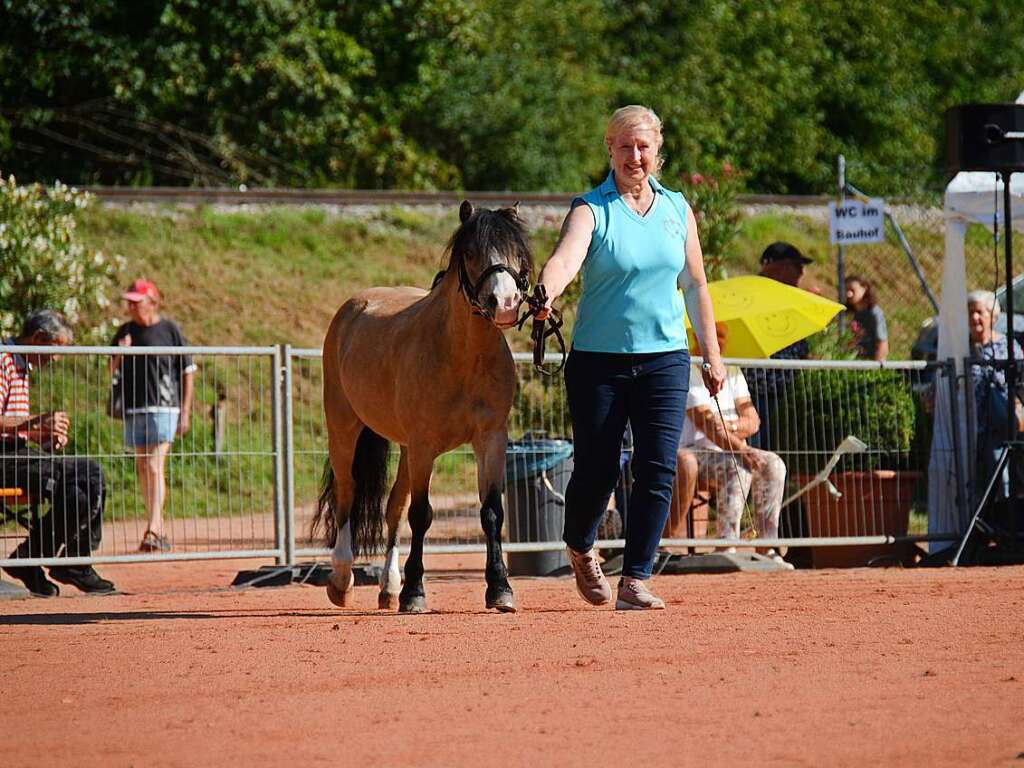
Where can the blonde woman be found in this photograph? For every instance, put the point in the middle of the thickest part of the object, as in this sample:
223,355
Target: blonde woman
634,241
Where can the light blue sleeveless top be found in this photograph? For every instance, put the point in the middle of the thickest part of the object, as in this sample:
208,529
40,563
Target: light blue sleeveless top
630,302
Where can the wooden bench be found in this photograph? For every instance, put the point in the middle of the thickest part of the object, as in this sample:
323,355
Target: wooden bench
14,497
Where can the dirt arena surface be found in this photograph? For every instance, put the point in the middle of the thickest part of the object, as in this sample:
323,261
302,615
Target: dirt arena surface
826,668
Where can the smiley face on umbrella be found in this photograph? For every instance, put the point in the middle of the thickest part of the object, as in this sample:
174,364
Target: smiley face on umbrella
763,315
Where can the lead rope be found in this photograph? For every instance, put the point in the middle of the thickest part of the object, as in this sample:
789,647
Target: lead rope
539,333
736,466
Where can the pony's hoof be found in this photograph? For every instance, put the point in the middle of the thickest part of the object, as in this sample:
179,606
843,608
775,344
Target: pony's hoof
503,602
413,604
387,601
340,597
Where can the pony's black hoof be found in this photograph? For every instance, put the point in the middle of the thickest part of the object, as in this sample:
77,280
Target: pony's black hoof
503,602
413,604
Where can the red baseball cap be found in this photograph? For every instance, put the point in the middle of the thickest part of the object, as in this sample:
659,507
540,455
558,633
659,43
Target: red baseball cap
141,289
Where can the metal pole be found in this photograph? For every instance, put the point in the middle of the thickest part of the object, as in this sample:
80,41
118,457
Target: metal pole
1011,368
289,458
275,407
841,257
913,262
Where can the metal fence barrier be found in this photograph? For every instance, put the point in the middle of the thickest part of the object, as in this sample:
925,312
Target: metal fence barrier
223,477
244,480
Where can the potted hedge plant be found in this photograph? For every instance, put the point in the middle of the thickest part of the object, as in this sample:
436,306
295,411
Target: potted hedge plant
817,410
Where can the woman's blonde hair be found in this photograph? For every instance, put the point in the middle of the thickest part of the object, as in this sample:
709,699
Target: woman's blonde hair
634,116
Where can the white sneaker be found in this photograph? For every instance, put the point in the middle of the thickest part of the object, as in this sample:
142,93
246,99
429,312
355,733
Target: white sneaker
776,557
590,581
634,596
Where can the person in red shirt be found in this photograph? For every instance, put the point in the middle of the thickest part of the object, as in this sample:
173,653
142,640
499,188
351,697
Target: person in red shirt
28,460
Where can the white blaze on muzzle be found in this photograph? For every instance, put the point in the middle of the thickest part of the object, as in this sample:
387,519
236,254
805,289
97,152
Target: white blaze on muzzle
507,297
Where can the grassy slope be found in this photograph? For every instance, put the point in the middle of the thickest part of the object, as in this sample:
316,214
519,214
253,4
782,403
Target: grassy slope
277,275
270,276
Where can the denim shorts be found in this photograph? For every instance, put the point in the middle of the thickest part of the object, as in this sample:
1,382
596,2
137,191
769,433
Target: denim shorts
145,429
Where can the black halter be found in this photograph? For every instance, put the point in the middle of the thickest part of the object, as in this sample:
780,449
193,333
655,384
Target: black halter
472,292
535,304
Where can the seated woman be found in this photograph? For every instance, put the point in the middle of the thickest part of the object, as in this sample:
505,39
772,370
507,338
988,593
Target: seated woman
726,462
991,396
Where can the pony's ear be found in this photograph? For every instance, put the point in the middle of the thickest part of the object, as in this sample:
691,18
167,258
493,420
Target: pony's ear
465,211
515,209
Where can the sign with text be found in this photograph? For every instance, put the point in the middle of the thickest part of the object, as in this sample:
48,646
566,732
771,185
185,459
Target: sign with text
852,222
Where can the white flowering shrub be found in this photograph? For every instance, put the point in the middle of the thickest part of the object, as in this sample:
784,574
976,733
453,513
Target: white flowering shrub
41,264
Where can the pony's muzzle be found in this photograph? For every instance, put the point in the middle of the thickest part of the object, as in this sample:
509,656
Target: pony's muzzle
502,303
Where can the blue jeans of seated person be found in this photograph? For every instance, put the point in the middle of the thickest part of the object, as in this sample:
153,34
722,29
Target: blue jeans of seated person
605,391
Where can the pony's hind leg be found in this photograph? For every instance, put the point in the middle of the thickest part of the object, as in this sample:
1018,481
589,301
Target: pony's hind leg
391,576
413,599
490,467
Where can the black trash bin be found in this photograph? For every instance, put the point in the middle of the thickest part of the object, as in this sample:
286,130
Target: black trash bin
537,471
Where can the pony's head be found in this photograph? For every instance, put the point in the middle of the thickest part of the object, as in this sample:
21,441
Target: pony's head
491,253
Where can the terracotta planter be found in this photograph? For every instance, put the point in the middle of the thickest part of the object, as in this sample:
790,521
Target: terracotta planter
872,504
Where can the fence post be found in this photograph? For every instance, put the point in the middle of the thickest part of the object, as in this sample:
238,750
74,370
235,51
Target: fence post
289,457
278,440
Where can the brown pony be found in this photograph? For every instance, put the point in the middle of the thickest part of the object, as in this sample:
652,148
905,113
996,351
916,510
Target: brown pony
429,371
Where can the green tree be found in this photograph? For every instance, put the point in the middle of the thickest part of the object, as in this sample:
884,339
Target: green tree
524,106
42,264
180,91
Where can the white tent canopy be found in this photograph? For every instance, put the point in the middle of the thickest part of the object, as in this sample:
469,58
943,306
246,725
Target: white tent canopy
971,198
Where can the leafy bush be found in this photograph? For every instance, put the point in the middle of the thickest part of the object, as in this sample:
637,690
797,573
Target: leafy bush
820,408
42,265
713,199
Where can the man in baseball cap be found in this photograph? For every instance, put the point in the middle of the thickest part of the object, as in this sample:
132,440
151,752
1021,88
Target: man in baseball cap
784,262
141,289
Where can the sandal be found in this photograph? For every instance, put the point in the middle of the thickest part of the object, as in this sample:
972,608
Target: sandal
154,542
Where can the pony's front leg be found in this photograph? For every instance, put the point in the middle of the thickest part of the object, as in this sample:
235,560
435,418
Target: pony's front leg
490,468
413,599
391,576
341,580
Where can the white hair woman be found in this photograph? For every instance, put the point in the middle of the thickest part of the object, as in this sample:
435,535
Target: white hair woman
991,395
635,241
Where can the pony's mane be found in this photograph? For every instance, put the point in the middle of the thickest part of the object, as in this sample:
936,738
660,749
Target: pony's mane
485,229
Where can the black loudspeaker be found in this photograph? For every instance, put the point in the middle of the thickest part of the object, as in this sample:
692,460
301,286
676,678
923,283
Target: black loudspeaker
985,137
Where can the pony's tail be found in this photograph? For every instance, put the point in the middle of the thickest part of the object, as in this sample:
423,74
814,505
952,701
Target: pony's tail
366,518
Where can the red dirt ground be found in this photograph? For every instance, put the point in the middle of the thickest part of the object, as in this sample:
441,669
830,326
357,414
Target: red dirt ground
915,667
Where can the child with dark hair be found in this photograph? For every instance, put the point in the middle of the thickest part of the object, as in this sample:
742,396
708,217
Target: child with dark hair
868,321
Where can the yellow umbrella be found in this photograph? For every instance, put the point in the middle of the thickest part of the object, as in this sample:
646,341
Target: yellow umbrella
764,315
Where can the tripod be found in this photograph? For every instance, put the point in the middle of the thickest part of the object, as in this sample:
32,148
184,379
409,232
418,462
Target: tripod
1008,543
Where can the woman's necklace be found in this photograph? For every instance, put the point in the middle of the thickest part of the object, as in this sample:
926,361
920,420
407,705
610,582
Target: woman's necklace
637,205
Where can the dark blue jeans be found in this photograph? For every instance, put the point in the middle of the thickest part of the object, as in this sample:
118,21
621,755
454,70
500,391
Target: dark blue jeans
605,391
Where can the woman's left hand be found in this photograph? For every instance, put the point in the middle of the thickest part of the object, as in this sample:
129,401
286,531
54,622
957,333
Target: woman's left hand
184,420
713,374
